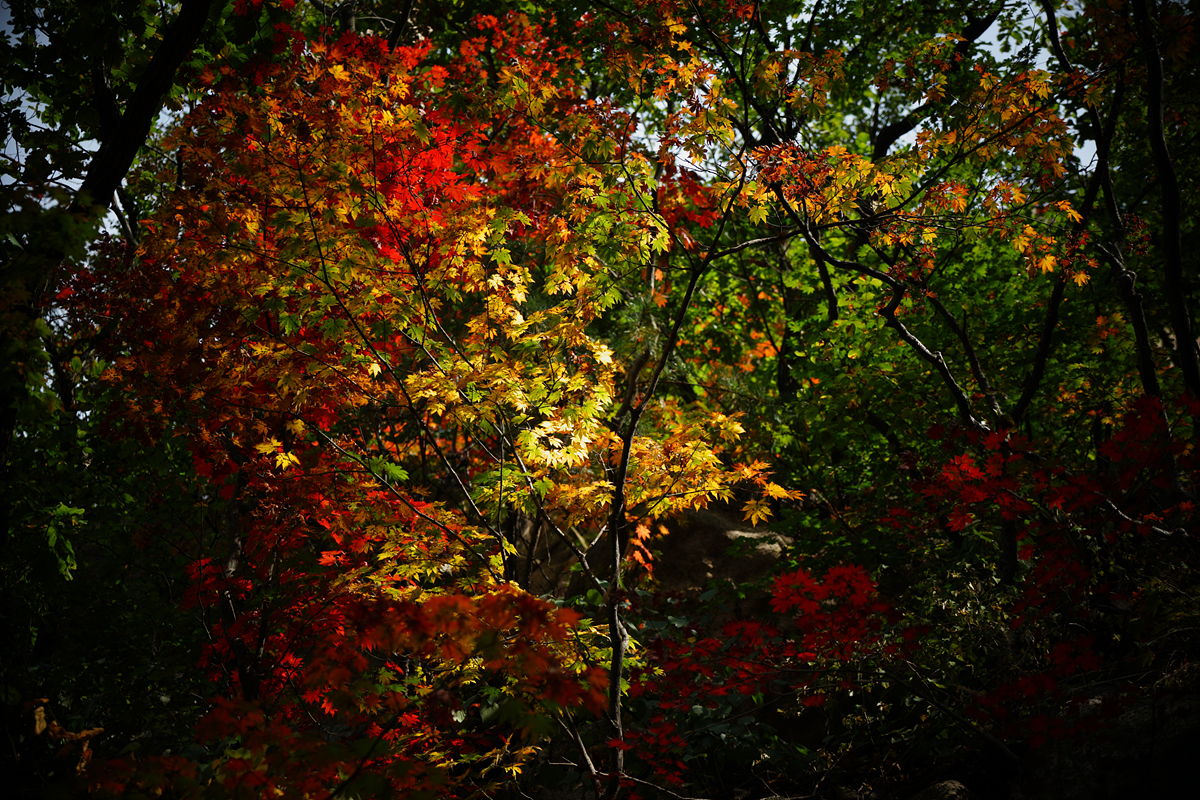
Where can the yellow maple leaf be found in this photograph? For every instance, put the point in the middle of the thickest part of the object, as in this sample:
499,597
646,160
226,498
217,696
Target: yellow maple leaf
775,490
755,510
285,460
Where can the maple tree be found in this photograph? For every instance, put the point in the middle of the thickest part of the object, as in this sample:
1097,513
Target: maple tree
426,333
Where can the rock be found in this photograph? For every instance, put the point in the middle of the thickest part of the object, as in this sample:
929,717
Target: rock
946,790
702,547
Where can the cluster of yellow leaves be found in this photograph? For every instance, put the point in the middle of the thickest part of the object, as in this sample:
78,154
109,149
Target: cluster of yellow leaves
758,473
372,251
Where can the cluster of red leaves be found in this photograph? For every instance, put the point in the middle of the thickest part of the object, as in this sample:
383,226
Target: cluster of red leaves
387,731
825,625
1071,529
839,617
506,629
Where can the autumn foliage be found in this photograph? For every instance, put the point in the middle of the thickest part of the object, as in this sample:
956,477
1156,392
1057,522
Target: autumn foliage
426,340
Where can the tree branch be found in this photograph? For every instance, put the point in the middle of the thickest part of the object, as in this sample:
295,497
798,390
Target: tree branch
884,139
1186,355
116,153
